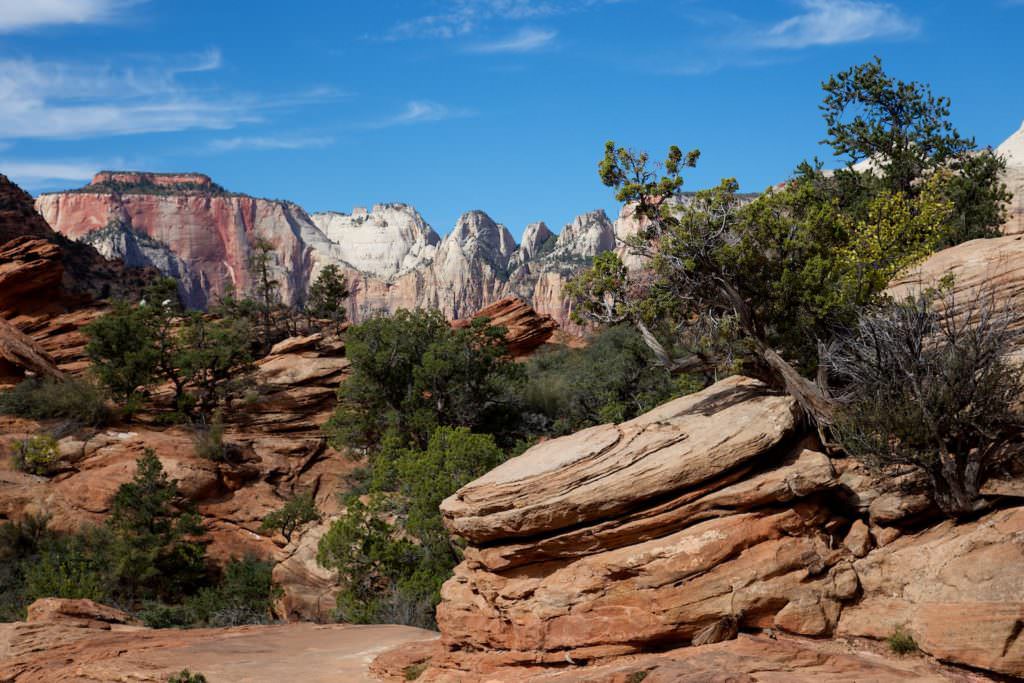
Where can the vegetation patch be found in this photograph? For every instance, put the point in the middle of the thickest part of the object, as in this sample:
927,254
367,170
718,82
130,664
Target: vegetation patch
38,455
901,642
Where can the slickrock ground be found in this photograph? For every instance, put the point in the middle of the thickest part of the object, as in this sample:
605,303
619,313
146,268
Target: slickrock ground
709,515
53,647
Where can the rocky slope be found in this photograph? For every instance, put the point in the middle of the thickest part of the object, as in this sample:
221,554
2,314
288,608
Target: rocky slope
709,515
192,229
77,640
49,287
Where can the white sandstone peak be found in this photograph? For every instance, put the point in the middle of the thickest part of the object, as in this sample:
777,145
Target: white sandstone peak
387,240
1013,148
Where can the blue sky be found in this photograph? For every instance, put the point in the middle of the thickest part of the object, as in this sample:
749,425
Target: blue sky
452,105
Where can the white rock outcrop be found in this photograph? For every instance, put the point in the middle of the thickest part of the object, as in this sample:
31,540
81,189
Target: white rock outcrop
385,241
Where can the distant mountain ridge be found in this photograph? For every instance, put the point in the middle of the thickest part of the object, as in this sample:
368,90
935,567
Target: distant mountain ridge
191,228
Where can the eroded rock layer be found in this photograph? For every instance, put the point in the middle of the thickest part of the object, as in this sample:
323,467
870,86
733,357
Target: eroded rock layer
714,515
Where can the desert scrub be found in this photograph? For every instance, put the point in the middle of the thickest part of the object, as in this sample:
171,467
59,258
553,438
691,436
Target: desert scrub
37,455
185,676
79,401
209,440
414,671
901,642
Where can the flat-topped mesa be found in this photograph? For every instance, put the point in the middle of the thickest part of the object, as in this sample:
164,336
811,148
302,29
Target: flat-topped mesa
141,181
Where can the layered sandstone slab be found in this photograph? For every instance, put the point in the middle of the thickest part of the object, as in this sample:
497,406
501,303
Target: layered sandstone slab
748,659
957,589
603,471
714,516
526,330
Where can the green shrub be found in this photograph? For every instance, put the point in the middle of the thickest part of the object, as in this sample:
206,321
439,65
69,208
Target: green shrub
296,512
185,676
614,378
929,385
20,543
37,455
77,400
901,642
414,671
412,372
209,440
73,566
392,553
244,595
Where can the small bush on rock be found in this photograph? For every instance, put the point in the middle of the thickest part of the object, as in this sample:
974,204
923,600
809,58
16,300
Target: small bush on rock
901,642
37,455
928,384
185,676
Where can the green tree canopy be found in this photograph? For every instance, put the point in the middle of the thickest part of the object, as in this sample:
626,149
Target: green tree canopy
767,284
327,295
412,372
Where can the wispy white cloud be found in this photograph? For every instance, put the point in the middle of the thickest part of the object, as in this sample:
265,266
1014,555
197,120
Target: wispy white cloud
833,22
524,40
419,111
32,174
20,15
40,99
463,17
268,143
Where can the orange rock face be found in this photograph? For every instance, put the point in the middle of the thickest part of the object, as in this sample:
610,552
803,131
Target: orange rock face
527,330
710,515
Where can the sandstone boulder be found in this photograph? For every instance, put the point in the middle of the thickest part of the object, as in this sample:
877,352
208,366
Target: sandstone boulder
957,589
526,329
603,471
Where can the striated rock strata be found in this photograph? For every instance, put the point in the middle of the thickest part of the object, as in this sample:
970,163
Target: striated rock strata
603,553
190,228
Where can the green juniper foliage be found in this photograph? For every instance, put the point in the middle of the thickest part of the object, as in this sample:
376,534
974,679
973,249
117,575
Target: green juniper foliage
78,401
203,357
295,513
433,408
327,295
766,285
147,558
